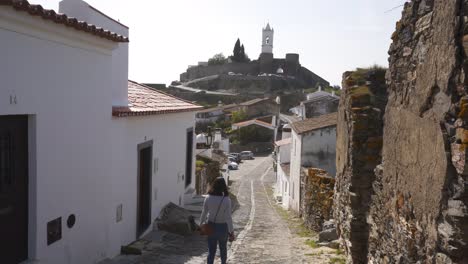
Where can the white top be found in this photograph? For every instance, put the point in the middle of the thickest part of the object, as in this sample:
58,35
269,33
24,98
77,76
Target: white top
210,206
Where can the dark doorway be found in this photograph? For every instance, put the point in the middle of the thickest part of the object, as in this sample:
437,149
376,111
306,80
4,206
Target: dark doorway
13,189
189,158
145,156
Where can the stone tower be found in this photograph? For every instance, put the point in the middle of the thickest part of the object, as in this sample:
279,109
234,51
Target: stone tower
267,39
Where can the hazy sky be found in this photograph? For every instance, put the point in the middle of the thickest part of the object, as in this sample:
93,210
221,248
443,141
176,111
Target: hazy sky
331,36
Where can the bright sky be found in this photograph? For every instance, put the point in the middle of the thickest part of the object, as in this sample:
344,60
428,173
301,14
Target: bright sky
331,36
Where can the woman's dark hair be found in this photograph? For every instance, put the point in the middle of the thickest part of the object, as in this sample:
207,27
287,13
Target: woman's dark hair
219,187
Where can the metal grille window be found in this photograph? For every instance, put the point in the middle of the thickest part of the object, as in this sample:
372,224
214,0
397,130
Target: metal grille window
6,161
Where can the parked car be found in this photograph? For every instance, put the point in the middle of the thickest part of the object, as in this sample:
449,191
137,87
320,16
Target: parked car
233,165
232,159
246,155
236,156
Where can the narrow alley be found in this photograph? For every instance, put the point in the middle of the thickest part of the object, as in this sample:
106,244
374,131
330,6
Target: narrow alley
265,233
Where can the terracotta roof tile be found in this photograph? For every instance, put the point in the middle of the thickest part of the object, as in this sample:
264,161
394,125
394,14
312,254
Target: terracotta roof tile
311,124
47,14
283,142
251,122
143,100
222,107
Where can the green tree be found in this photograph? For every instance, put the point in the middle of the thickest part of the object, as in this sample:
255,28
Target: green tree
238,116
217,59
243,56
237,51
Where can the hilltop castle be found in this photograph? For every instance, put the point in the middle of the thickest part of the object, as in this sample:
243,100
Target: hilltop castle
287,71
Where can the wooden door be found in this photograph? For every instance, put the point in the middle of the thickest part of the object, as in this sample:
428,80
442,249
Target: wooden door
145,156
189,157
13,189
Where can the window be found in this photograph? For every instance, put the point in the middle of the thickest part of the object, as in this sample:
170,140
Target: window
267,40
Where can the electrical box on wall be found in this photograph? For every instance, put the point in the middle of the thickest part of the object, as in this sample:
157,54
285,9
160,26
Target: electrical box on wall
54,230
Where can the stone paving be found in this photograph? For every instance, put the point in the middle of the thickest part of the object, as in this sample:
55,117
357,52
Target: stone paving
263,235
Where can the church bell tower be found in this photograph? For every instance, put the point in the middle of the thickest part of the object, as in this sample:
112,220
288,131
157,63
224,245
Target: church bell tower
267,39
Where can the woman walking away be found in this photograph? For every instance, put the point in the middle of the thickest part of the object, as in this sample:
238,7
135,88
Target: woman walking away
218,208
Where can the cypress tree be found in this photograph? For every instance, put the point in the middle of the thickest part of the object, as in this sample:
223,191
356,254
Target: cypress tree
237,51
242,53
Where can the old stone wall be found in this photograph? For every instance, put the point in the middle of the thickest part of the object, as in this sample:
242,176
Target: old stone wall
358,147
408,204
317,198
203,71
303,78
419,210
265,108
245,84
206,174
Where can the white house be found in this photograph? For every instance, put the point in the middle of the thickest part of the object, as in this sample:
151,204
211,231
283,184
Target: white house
317,103
210,115
87,158
283,159
313,144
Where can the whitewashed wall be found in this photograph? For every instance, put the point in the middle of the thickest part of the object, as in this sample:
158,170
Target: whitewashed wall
82,161
168,133
83,11
295,178
65,91
319,149
282,188
285,154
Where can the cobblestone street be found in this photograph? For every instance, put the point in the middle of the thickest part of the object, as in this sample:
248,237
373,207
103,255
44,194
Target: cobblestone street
265,233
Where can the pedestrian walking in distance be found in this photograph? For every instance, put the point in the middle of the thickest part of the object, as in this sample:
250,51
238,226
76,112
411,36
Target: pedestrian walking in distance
217,213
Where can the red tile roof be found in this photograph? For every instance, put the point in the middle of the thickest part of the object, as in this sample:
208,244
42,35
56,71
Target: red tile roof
283,142
311,124
47,14
252,122
143,100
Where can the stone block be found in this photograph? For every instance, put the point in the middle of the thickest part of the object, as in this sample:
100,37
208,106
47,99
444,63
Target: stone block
328,235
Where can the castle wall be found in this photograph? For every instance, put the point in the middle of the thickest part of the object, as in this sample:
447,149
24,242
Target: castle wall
197,72
292,66
311,78
266,63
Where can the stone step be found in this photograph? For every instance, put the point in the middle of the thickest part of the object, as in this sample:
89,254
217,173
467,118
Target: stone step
194,208
195,200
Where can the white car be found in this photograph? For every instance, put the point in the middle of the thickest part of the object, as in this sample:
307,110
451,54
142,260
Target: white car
233,166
